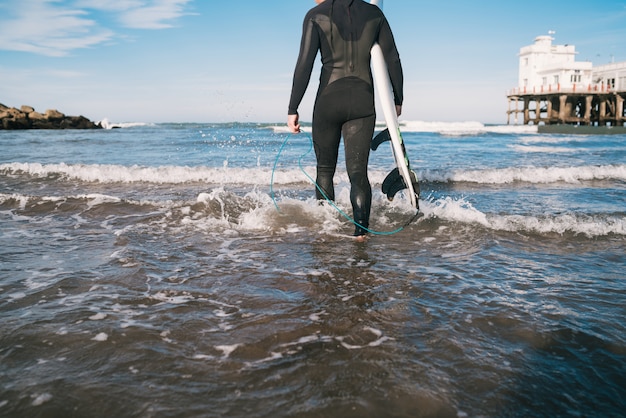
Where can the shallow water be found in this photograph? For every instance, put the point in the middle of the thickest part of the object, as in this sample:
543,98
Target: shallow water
147,272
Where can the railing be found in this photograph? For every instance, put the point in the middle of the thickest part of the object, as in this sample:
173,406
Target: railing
574,88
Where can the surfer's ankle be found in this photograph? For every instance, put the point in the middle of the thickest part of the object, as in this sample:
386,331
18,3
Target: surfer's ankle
360,229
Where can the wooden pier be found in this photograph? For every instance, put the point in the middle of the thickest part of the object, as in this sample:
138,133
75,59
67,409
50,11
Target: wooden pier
590,106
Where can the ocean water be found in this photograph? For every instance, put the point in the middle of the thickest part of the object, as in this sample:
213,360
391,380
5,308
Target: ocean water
185,270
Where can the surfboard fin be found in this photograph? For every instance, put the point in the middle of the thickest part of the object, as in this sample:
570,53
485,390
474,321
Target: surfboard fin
380,138
394,182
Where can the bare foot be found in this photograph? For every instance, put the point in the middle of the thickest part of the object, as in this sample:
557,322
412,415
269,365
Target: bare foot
361,238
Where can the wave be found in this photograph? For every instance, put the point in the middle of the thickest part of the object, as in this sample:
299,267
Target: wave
258,176
444,128
557,139
545,149
104,173
255,211
465,128
533,175
573,223
107,124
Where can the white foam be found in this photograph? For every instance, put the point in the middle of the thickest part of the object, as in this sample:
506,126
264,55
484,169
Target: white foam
227,350
102,173
541,139
459,210
164,297
464,128
380,339
446,128
560,224
101,337
535,175
295,216
255,212
21,199
544,149
40,399
17,295
258,176
315,317
220,313
107,124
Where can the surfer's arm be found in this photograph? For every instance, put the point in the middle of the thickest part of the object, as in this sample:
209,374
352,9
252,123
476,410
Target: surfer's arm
309,46
392,58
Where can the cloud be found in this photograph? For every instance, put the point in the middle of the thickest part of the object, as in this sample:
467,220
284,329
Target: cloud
138,14
154,16
108,5
55,28
44,28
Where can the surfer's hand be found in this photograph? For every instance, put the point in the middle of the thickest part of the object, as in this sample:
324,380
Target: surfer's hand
293,122
398,110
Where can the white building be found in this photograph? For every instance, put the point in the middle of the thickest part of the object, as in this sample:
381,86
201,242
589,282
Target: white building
611,75
554,88
544,67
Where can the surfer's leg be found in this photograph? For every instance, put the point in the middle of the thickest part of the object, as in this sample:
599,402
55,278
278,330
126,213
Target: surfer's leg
357,135
327,123
326,144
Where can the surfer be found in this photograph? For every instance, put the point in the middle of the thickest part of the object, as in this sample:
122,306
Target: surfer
344,32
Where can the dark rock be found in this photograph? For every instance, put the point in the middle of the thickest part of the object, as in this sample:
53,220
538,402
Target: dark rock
77,122
27,118
43,124
15,122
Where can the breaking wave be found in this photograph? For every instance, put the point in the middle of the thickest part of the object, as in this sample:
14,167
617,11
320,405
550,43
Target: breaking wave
255,211
103,173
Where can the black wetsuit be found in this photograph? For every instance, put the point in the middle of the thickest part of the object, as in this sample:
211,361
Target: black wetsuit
345,31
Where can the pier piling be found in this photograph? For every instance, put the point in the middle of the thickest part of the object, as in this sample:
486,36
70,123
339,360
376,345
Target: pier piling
575,107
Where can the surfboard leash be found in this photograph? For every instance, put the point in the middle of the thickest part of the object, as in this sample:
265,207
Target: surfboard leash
330,201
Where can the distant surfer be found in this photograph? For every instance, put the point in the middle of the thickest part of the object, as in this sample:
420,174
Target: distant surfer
344,32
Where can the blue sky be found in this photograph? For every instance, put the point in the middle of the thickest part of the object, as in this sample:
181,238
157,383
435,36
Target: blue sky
222,61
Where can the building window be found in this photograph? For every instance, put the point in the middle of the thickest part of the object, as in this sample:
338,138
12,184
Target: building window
576,77
556,79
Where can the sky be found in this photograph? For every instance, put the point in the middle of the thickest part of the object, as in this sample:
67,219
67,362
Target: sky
232,61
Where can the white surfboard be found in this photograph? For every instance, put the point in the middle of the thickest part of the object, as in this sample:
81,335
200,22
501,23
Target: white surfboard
402,177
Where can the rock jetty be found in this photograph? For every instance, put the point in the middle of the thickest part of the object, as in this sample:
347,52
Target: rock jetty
27,118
